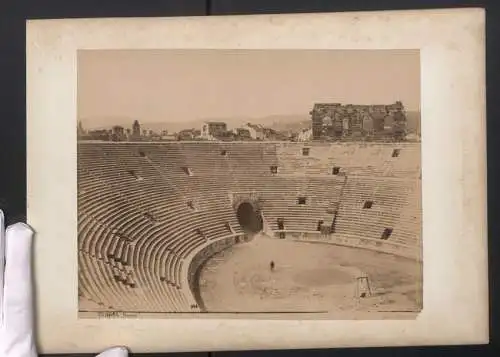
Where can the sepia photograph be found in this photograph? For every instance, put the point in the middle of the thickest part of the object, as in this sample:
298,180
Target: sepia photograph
256,182
249,181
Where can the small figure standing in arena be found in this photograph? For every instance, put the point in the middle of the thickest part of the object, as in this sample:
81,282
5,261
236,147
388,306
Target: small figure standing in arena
271,265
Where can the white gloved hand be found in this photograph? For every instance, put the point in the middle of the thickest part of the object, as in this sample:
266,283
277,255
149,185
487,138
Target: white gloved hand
17,335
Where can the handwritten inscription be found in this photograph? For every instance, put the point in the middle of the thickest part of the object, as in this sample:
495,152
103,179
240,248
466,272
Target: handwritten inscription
115,315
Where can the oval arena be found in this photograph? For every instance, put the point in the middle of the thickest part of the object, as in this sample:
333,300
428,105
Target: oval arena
189,227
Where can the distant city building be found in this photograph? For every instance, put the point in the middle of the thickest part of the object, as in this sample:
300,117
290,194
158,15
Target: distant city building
367,124
102,134
242,133
118,133
186,134
80,130
257,132
305,135
169,137
226,136
136,132
213,129
275,135
329,121
136,129
270,134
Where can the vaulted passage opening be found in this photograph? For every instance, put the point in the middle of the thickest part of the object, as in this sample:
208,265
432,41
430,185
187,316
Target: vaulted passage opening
249,219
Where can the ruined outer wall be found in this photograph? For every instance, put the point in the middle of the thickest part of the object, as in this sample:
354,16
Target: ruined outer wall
336,113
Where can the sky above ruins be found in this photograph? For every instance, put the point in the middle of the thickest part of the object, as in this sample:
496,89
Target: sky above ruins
189,85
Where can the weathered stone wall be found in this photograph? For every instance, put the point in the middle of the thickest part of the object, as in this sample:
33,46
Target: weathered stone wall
402,250
199,259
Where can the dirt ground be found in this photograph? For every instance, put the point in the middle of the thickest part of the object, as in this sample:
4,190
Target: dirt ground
308,277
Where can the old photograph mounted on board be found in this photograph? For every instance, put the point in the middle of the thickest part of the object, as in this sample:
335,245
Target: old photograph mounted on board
258,182
249,181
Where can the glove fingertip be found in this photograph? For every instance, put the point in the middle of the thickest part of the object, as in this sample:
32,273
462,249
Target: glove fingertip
20,227
118,351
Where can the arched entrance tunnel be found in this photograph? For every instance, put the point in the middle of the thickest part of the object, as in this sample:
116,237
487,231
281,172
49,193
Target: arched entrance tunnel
249,218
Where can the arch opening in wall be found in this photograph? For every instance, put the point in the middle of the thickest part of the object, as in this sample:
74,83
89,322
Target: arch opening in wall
386,234
191,205
280,222
187,170
396,152
249,218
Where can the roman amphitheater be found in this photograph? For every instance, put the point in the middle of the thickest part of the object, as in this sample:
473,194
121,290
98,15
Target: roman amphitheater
189,227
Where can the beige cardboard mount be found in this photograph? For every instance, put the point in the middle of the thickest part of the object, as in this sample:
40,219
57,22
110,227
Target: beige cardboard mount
452,67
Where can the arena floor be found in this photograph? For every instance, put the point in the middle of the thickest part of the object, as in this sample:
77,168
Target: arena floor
308,277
